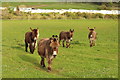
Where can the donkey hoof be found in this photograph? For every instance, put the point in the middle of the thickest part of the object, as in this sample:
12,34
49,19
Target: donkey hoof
44,66
31,52
67,47
90,45
49,69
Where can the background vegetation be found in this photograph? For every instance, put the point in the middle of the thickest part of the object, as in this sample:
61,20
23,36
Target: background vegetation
7,14
10,14
66,5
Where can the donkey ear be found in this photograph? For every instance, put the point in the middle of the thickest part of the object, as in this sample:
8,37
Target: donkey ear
51,40
94,27
37,28
88,28
53,36
31,29
73,29
70,29
56,36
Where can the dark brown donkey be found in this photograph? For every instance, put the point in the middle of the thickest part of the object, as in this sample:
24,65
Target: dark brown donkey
48,48
66,36
31,38
92,36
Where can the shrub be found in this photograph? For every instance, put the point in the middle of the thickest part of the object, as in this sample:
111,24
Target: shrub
107,16
119,16
66,15
114,16
98,15
102,7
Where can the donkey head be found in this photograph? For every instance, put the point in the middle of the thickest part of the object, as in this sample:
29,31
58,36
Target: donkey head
71,34
35,33
91,29
54,44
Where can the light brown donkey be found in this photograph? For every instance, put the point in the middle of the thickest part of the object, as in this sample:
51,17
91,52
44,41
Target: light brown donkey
48,48
92,36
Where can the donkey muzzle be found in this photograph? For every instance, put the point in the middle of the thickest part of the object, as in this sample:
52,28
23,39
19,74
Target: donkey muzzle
70,39
54,54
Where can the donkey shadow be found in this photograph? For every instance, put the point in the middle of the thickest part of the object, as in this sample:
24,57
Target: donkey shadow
78,43
17,47
14,47
33,61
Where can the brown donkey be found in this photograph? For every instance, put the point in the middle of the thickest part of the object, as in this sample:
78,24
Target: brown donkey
66,36
31,39
92,36
48,48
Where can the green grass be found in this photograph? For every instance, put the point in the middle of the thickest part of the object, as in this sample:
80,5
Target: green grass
54,5
81,61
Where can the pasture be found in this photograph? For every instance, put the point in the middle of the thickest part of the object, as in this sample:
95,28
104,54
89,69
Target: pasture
53,5
79,61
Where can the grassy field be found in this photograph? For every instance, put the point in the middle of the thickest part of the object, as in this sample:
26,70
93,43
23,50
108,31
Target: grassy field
61,5
79,61
53,5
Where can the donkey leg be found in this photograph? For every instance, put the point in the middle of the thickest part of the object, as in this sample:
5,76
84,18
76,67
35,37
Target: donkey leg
34,44
49,65
67,44
26,46
63,43
91,43
31,48
42,62
59,42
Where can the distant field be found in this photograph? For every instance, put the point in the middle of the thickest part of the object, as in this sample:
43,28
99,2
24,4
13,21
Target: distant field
54,5
79,61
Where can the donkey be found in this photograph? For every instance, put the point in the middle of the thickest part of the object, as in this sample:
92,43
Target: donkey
92,36
48,48
66,36
31,39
